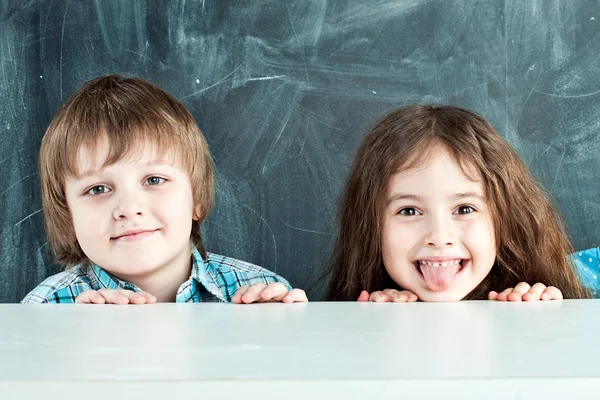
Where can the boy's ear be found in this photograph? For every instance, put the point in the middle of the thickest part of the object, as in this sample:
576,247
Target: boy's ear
198,210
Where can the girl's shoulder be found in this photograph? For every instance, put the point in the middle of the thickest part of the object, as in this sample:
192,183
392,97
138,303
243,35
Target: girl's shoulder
587,263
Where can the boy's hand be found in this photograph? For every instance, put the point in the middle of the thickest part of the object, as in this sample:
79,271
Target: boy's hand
260,293
523,291
114,296
388,295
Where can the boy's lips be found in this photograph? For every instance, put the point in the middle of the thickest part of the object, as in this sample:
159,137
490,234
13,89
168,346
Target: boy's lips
133,235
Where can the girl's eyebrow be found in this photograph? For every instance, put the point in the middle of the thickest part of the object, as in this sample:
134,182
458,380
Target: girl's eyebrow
404,196
460,196
414,197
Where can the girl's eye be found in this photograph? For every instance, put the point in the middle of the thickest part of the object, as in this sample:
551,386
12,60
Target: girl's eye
99,189
154,180
464,210
409,211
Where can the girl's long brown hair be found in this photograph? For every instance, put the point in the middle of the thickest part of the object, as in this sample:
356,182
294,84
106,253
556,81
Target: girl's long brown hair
532,245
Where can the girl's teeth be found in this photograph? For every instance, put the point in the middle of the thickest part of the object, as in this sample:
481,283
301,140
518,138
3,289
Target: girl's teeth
440,264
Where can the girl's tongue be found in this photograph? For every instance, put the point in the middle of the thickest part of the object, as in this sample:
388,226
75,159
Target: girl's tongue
440,275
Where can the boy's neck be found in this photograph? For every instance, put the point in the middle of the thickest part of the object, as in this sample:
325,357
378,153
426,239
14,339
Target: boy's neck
165,287
164,283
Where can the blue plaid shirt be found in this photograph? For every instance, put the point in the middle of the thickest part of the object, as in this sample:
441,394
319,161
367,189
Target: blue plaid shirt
214,279
587,263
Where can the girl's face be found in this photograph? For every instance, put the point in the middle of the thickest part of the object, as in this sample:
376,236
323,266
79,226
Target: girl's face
438,234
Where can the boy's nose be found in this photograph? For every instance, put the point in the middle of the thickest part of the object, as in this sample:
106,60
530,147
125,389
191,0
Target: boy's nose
128,207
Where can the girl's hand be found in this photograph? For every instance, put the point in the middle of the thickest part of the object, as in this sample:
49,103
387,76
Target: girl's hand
114,296
523,291
261,293
388,295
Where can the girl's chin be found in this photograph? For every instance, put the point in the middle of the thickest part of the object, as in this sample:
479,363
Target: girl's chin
437,297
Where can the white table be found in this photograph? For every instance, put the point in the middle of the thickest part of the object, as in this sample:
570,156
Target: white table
478,350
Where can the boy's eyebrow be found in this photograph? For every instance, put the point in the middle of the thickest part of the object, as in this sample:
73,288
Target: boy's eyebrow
90,172
457,196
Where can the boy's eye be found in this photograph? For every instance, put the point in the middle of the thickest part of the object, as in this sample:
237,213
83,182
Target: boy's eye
99,189
464,210
154,180
409,211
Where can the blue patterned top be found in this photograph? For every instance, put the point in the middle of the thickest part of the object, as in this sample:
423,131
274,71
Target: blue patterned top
214,279
587,263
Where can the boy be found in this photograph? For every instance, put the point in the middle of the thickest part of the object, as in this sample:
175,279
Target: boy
127,180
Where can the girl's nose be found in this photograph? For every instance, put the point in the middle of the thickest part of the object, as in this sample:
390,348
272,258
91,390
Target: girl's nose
440,234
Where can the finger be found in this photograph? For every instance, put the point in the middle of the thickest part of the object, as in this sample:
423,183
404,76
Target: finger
113,296
90,297
132,297
411,296
535,293
519,291
364,296
396,296
237,297
402,296
150,299
379,297
552,293
399,297
274,292
295,296
503,295
493,295
252,295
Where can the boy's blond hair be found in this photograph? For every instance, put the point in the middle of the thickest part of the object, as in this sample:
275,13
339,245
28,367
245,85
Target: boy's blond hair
129,113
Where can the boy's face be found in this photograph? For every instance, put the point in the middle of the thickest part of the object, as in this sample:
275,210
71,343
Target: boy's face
132,218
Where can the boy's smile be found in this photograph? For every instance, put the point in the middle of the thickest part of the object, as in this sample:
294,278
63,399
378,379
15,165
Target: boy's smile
134,217
133,235
438,236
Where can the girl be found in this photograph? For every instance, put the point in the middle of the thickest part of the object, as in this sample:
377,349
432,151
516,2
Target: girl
438,207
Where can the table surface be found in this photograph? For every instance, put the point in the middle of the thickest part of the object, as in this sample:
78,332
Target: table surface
470,348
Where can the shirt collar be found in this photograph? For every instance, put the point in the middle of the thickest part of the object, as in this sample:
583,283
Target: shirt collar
101,279
200,274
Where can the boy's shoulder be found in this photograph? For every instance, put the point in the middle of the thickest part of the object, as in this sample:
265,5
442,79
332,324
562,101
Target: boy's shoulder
63,287
225,270
224,263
